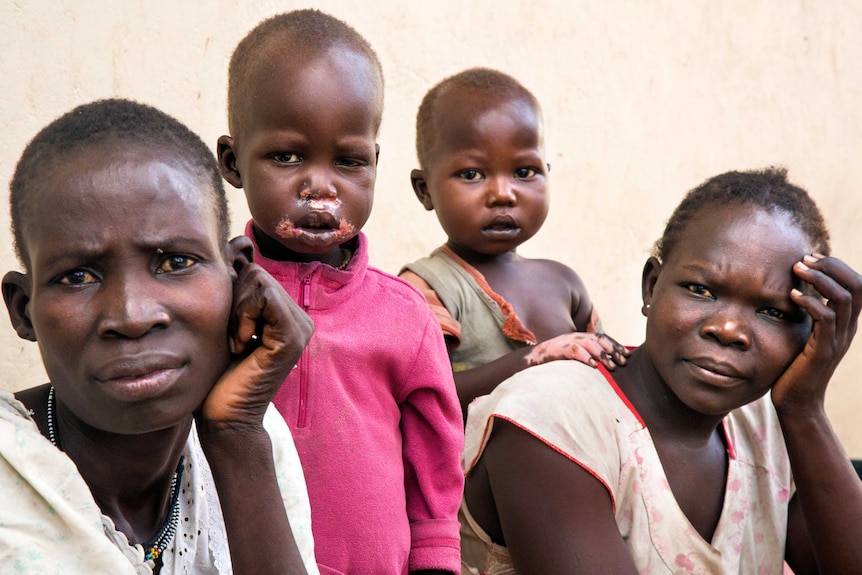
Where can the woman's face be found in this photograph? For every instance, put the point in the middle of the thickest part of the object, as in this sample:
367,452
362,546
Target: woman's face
129,291
721,326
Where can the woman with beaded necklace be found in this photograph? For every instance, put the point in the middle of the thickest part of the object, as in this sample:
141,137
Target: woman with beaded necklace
154,449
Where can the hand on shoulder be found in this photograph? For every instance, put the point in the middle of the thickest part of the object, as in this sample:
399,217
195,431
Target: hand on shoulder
588,348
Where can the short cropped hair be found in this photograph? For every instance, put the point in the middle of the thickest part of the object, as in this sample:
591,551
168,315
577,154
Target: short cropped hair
310,29
767,189
110,122
492,82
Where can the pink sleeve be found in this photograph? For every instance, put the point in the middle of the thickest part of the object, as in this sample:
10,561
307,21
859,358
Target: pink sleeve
433,438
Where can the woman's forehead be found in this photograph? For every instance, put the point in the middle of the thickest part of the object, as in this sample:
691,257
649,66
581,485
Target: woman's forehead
139,190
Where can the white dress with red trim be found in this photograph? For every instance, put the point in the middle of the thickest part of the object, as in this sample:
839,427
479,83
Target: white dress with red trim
581,413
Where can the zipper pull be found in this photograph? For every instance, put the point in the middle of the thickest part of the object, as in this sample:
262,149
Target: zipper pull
306,292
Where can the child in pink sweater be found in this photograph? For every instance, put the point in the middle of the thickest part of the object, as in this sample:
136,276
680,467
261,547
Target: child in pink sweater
371,403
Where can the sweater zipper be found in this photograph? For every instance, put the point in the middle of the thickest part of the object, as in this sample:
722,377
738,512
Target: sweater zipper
303,364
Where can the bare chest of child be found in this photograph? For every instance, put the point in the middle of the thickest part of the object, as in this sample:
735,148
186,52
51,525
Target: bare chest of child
542,294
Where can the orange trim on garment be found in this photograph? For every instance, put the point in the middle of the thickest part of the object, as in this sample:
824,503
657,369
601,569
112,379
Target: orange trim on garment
512,326
448,324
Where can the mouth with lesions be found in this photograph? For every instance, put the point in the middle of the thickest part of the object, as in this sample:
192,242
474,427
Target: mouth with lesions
316,228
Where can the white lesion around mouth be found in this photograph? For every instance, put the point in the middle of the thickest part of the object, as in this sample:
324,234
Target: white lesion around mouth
288,230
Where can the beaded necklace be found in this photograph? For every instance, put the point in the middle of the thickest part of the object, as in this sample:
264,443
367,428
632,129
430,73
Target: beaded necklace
156,546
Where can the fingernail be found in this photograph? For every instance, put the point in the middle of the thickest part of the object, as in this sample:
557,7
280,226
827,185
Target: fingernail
802,266
795,292
812,258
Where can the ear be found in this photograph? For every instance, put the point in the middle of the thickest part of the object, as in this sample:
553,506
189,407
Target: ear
420,188
239,252
16,294
652,269
227,161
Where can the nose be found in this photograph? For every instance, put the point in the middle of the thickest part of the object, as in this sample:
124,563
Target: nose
318,184
728,327
132,307
501,192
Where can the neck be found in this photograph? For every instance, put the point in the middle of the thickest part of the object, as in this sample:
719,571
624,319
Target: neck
129,475
274,250
477,259
666,417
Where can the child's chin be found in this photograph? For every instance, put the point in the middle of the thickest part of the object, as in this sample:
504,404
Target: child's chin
316,242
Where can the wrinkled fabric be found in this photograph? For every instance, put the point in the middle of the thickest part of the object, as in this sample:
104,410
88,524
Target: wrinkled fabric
50,523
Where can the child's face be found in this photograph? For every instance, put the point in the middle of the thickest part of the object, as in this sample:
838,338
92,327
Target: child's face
486,177
721,326
129,292
306,154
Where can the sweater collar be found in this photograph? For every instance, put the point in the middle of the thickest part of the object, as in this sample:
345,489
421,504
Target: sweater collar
292,274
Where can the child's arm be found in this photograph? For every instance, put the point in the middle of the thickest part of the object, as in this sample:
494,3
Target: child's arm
432,442
588,348
825,521
269,335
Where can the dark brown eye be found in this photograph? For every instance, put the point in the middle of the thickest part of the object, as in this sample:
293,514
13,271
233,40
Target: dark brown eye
77,277
175,263
698,289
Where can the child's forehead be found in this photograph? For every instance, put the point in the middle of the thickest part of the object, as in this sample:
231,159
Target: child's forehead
300,60
300,76
463,117
467,98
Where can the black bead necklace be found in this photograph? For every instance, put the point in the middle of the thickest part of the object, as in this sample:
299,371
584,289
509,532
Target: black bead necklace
156,546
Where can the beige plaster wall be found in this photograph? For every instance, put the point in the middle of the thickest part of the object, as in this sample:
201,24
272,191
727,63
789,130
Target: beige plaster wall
642,101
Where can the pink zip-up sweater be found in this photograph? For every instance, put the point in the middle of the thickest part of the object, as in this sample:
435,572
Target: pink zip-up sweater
375,418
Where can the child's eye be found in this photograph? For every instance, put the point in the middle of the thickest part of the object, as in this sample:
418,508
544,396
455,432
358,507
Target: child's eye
287,158
347,162
525,173
77,277
175,263
698,289
470,175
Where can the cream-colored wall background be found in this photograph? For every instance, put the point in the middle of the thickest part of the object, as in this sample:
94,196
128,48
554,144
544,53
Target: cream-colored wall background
642,101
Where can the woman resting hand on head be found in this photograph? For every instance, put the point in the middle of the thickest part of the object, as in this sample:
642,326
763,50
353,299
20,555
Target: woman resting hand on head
710,450
154,448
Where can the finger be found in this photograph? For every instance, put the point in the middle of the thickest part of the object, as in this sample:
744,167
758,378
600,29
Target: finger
836,304
581,354
598,347
246,309
834,279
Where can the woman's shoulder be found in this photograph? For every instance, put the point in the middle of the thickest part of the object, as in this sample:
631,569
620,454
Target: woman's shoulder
565,404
